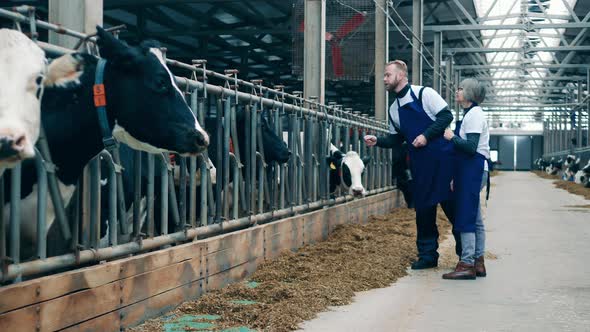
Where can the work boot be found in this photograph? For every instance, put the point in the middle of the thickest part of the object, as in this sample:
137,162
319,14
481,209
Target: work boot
422,264
480,268
463,271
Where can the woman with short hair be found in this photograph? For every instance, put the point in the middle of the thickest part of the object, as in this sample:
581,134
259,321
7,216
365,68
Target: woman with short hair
472,149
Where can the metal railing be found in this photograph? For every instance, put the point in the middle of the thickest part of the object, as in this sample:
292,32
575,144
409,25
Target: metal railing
258,192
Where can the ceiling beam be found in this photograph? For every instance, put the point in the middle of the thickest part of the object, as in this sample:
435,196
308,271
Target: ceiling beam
516,49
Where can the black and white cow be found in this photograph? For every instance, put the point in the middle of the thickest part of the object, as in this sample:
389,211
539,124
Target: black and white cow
275,150
22,63
346,170
582,176
572,166
555,166
145,110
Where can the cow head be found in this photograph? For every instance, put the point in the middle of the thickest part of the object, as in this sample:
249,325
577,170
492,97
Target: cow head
275,148
148,109
346,170
22,64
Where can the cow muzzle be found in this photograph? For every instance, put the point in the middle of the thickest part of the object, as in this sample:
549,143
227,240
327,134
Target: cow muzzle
358,192
11,148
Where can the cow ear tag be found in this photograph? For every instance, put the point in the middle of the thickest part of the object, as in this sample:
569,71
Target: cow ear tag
332,166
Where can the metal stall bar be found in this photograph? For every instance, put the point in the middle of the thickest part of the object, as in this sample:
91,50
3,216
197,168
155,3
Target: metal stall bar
101,254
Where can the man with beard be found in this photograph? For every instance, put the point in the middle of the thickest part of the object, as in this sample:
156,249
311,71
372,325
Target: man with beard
419,116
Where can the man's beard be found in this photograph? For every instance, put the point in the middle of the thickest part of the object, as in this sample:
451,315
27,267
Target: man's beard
391,87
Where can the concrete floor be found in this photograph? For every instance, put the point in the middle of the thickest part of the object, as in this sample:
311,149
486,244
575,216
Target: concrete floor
540,280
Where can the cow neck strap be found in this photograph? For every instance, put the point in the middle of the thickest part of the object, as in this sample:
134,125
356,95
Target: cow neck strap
100,102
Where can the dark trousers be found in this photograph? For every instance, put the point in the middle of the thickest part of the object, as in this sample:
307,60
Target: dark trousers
427,237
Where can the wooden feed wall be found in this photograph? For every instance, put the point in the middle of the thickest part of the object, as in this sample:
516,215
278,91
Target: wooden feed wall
126,292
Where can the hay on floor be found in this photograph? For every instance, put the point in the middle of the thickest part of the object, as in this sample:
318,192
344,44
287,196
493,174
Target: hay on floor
572,187
298,285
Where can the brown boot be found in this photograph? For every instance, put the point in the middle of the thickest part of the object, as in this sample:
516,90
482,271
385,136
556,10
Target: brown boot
463,271
480,268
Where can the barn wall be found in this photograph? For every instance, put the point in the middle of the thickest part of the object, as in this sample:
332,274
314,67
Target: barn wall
126,292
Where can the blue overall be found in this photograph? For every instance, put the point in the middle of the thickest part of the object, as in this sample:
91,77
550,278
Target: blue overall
432,171
467,185
431,165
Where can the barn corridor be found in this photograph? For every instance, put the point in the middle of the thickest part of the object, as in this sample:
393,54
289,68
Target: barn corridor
539,281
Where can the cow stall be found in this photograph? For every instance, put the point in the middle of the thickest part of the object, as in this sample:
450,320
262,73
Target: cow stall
141,228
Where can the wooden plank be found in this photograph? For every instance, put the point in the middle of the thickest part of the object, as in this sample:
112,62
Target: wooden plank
159,304
316,227
286,234
104,323
235,274
64,311
80,306
336,216
50,287
146,285
226,251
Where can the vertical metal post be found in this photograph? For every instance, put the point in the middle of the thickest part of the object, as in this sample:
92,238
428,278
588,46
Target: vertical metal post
417,27
588,107
41,207
136,193
314,62
163,166
95,205
150,194
182,192
293,138
219,162
248,157
252,155
15,181
579,115
307,159
437,60
457,81
449,84
381,57
80,15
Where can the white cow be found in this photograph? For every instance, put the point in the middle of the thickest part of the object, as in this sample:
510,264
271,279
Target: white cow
22,63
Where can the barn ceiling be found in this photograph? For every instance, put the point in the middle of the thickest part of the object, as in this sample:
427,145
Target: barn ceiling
256,37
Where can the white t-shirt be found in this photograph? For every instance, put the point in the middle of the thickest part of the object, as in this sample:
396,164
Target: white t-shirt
474,122
431,101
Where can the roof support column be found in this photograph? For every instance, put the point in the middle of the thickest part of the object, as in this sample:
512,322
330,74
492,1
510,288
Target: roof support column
437,60
417,27
449,82
588,106
579,116
314,51
79,15
381,57
457,81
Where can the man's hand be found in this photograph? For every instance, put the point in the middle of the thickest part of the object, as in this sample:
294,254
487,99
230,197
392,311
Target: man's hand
370,140
448,135
420,141
452,188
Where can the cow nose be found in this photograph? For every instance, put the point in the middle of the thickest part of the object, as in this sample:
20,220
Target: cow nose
10,146
357,191
202,139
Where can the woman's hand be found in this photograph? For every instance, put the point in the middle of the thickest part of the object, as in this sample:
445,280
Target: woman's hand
449,134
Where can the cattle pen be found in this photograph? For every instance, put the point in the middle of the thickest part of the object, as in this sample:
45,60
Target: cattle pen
296,193
168,159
